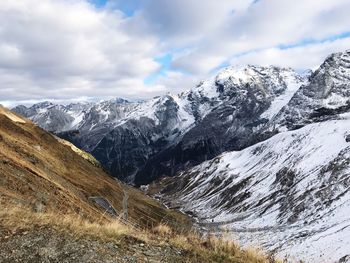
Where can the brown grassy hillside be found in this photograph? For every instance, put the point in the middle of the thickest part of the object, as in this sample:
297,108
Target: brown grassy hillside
38,171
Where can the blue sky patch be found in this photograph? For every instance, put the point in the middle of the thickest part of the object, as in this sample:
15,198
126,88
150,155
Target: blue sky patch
98,3
165,62
311,41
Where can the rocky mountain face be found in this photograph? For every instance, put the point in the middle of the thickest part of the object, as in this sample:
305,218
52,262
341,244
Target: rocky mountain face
53,117
232,109
289,193
139,142
326,96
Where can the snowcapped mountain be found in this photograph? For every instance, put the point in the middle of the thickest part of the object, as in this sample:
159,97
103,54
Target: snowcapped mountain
327,94
289,193
53,117
139,142
230,110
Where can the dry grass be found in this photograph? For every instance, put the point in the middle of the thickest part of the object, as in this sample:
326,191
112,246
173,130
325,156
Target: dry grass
85,155
217,249
196,248
162,230
19,218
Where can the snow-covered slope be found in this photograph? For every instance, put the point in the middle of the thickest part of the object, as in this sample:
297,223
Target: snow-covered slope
289,193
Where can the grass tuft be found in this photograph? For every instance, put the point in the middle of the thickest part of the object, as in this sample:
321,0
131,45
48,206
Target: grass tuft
162,230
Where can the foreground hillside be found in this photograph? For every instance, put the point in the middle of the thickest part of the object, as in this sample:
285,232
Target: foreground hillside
27,236
57,205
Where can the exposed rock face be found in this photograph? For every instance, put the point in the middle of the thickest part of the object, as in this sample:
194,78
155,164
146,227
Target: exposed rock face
325,97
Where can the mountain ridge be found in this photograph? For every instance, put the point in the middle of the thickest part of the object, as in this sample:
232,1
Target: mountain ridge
171,125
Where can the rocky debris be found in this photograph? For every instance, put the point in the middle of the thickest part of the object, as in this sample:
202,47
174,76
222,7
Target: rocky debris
48,245
344,259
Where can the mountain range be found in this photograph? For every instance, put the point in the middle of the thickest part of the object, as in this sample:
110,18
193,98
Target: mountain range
260,152
139,142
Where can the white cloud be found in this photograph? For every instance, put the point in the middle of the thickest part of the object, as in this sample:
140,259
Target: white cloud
267,24
189,19
175,82
66,49
301,57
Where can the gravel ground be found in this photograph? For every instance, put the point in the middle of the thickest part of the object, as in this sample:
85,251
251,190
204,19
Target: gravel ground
46,245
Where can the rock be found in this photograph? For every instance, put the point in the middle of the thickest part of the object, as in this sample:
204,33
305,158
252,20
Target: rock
347,138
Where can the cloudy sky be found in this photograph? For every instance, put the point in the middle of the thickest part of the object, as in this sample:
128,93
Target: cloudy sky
79,49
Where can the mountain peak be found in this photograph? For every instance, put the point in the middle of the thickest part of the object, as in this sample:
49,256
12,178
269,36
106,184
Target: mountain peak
336,70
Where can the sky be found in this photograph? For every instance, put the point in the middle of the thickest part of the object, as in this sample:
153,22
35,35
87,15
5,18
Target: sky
71,50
